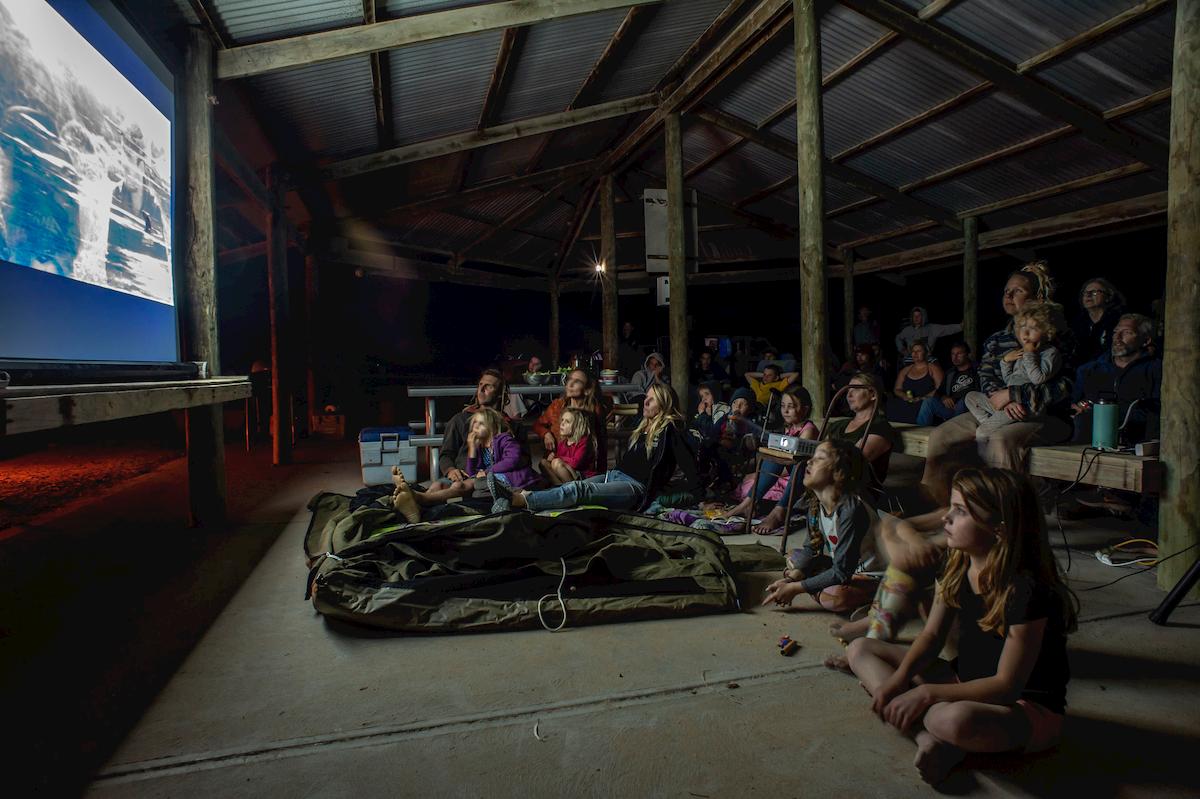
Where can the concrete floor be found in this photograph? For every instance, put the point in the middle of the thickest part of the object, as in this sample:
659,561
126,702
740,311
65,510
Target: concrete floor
213,677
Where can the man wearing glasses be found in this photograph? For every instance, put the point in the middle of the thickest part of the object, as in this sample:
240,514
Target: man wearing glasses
1102,305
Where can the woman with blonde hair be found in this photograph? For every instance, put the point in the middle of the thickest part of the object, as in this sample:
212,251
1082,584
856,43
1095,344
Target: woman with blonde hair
658,445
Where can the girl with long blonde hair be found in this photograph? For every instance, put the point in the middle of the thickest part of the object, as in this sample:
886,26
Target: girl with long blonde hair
657,446
1007,689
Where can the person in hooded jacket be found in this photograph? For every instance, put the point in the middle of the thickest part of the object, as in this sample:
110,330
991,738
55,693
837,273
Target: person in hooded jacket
654,370
922,328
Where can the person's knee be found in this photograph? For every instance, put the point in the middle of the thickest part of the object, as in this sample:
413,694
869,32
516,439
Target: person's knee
950,722
858,649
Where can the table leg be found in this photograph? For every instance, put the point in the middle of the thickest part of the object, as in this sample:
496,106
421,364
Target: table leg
753,488
787,513
430,429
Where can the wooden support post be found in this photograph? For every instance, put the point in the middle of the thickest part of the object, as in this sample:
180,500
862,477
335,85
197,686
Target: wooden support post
277,300
970,321
311,288
848,310
555,347
1179,511
608,277
676,258
809,157
204,424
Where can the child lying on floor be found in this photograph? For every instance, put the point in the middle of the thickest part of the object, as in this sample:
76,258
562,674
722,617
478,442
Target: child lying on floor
1007,689
839,523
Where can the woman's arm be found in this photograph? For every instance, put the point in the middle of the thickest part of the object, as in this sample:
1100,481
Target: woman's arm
939,375
899,386
1017,659
876,446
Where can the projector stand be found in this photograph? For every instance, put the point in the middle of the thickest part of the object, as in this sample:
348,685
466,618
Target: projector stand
1163,612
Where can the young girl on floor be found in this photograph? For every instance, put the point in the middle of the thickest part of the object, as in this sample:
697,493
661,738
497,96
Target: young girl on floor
839,524
490,449
575,454
796,408
1007,689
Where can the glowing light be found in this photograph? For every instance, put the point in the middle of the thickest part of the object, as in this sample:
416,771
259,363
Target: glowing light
600,266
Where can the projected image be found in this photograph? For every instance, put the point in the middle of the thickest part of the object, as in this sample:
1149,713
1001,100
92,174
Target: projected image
85,160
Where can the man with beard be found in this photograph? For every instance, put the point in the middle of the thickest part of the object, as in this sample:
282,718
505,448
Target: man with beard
489,393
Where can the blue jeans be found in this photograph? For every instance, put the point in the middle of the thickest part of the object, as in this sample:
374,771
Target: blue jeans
614,489
932,409
768,473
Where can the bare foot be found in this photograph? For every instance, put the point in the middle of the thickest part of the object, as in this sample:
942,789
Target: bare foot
769,523
934,758
847,631
838,662
405,504
398,477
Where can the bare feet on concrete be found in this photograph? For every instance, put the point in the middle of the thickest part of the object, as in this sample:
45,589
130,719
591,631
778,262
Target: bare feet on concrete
934,758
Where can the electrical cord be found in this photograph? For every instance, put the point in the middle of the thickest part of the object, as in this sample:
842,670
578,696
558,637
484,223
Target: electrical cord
1143,570
1079,475
561,602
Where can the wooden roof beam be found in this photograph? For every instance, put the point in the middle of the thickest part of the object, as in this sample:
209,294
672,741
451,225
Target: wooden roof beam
317,48
507,56
381,87
515,218
433,148
1035,94
578,220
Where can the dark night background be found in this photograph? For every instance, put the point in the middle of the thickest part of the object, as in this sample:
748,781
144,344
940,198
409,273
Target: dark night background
377,334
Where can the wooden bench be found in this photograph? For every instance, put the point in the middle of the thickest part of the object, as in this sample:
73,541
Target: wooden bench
1062,462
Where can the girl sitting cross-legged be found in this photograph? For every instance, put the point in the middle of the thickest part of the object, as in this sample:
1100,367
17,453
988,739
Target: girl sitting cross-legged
658,445
1007,689
574,456
491,450
839,524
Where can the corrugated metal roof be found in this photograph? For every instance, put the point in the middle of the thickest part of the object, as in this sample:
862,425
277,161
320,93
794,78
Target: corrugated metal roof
700,141
838,194
878,218
554,220
500,206
442,231
1117,70
1015,30
438,87
1113,191
556,58
760,93
249,21
1052,164
845,34
582,142
1154,123
504,159
331,106
971,131
890,89
676,24
406,8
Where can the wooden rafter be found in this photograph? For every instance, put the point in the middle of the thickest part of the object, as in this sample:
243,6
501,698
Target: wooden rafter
627,33
1035,94
515,218
445,145
317,48
507,56
768,191
703,44
578,220
381,80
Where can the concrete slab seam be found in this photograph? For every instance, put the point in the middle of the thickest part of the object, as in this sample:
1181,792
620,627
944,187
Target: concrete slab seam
387,734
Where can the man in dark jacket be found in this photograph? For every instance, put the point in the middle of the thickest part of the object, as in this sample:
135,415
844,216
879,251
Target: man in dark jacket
959,381
489,393
1128,374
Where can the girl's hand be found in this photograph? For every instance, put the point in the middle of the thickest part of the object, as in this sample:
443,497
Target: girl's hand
782,592
455,475
1030,346
999,399
549,443
887,691
481,474
1013,355
1016,411
907,709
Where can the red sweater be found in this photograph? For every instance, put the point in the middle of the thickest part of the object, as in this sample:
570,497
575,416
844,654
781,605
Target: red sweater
580,456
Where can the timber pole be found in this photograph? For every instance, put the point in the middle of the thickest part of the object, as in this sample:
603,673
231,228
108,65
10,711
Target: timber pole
1179,510
676,259
204,424
311,288
555,347
814,343
277,296
608,275
848,306
970,283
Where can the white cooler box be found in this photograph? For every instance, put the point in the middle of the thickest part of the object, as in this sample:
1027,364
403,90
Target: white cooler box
381,448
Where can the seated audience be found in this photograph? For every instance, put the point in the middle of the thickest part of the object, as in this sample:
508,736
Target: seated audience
707,369
915,383
866,329
960,379
771,378
1035,363
866,359
709,412
796,409
1101,306
733,440
921,329
1002,592
581,394
654,370
839,543
629,353
868,429
1127,374
659,445
491,392
785,361
574,456
1007,446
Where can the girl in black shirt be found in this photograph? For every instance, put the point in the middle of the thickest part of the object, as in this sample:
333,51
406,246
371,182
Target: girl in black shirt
1007,690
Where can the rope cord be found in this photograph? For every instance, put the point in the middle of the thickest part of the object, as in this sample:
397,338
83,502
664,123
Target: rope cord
561,602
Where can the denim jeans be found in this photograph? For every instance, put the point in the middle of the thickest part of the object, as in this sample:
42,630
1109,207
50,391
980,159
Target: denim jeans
768,473
614,489
933,411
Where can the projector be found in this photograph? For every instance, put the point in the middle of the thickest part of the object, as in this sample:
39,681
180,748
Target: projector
793,445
